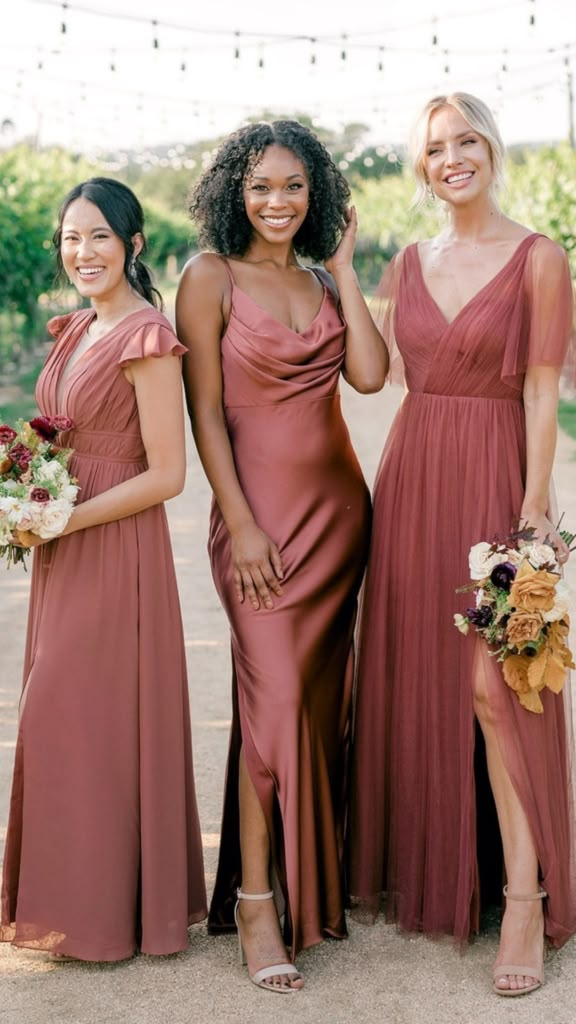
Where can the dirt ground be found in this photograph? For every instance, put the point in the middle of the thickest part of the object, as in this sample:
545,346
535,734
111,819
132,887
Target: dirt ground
377,975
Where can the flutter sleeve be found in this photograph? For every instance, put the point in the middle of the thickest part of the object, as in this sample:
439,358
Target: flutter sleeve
382,307
548,338
57,324
152,339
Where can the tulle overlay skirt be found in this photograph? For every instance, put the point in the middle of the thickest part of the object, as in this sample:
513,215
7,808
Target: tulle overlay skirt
424,838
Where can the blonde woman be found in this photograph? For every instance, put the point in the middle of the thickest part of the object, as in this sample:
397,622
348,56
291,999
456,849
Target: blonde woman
456,785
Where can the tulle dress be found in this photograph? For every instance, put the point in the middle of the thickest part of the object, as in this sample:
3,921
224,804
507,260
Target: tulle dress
424,839
292,666
103,851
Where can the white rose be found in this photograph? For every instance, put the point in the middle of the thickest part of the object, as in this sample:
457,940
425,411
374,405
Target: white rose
55,515
11,510
29,516
482,560
561,607
69,492
539,555
461,623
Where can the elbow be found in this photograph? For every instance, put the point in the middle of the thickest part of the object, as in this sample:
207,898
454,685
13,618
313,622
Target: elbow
372,386
172,484
367,383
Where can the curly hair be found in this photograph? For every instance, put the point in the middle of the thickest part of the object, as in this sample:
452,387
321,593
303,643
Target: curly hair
217,199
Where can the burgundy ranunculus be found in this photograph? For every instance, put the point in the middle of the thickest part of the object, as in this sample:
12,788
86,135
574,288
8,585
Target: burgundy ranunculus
21,455
7,434
62,422
39,494
480,617
503,575
44,427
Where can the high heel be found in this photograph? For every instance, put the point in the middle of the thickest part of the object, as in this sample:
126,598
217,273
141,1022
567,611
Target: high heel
522,970
260,977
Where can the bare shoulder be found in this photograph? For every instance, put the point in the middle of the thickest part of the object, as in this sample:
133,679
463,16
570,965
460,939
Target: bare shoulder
205,272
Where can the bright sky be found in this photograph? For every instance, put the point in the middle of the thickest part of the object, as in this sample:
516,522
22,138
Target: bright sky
103,83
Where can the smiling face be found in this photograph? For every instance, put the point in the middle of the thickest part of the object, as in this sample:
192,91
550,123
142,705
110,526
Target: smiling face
457,160
276,195
92,255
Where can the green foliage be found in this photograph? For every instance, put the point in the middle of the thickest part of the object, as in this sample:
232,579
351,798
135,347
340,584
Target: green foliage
541,192
567,417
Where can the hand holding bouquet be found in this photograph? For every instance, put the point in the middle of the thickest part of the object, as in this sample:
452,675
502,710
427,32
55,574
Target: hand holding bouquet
521,610
37,493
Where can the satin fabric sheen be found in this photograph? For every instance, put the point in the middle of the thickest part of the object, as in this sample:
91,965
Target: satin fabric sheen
103,852
292,666
423,844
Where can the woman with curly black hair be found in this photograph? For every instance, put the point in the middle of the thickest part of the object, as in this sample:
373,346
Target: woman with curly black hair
267,339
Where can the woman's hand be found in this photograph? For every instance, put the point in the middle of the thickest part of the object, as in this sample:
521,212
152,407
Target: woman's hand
257,566
342,258
545,532
27,539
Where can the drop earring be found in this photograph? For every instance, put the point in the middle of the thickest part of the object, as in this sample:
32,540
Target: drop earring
132,268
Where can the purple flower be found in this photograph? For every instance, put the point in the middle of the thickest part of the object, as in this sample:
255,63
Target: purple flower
480,617
502,576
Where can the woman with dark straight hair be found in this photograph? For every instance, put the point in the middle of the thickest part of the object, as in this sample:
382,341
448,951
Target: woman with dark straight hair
103,852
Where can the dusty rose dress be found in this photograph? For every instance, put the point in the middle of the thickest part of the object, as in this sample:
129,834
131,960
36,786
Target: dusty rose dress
103,852
292,666
424,833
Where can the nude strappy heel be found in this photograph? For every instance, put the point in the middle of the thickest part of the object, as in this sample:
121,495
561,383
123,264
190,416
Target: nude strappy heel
523,970
259,977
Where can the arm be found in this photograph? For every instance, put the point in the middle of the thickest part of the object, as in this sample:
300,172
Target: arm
550,298
202,307
541,409
366,360
158,387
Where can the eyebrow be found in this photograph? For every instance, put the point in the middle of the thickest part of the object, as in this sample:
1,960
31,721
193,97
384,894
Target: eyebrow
100,227
264,177
438,142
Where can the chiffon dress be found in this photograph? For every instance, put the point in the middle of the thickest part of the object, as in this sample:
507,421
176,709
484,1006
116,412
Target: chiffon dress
424,839
103,851
292,665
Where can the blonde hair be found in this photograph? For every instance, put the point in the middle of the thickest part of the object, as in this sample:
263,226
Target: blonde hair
478,116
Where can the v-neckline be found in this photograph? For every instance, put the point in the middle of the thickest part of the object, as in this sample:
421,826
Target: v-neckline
275,319
68,371
449,323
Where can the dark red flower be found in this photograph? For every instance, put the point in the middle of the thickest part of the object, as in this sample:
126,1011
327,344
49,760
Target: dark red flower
7,434
62,422
21,455
39,494
44,427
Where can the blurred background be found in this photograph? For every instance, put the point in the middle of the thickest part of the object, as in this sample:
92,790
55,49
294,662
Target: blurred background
143,90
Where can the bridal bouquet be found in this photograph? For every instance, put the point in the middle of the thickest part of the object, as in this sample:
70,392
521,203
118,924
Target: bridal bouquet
521,610
36,491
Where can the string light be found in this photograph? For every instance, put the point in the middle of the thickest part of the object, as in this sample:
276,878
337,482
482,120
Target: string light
63,28
343,54
381,60
532,18
312,51
155,42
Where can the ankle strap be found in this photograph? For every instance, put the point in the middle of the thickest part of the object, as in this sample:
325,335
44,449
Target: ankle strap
540,895
254,895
